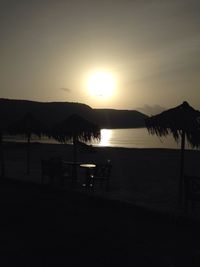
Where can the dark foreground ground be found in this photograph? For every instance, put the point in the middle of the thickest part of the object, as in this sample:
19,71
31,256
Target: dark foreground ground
43,226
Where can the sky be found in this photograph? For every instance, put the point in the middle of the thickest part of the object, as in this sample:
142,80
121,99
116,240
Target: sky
50,49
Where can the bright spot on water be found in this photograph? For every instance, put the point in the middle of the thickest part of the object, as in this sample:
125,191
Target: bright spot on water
106,135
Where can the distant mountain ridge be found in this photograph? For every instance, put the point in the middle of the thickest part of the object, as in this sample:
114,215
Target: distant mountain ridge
113,118
53,112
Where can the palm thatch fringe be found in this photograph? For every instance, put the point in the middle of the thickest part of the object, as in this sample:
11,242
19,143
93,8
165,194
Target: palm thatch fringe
183,122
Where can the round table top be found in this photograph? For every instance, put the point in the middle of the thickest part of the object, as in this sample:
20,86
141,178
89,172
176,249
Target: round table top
88,165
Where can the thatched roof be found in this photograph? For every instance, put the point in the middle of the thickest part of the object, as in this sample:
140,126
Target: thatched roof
176,120
76,127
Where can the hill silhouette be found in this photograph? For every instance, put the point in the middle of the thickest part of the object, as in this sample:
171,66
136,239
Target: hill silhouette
53,112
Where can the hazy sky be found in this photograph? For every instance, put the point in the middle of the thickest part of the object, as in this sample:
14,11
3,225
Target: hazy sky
49,48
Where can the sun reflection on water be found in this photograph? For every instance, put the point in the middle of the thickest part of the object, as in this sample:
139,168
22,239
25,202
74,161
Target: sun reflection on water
106,135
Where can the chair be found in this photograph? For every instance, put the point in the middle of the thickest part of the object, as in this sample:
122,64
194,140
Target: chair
67,173
51,168
56,169
191,190
102,174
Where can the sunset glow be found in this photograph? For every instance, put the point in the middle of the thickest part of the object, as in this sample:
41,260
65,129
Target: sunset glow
131,55
101,85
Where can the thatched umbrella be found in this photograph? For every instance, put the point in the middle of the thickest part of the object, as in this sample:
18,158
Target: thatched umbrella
75,128
3,131
183,123
2,155
27,126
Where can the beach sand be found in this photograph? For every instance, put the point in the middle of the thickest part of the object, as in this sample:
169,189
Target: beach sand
148,177
45,226
53,226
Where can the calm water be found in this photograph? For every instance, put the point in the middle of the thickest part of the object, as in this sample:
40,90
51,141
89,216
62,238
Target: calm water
134,138
129,138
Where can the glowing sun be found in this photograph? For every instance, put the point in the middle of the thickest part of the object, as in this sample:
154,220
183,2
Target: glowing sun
101,84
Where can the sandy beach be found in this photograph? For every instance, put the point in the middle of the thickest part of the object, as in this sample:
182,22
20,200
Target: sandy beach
42,226
146,177
53,226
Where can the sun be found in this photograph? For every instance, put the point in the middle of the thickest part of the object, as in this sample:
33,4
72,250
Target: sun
101,84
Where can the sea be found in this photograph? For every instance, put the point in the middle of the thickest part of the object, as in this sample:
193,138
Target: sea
127,138
136,138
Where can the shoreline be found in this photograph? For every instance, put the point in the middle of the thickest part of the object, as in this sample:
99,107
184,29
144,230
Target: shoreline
127,138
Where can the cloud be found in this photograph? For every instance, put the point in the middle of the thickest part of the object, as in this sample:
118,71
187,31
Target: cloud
67,90
151,110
